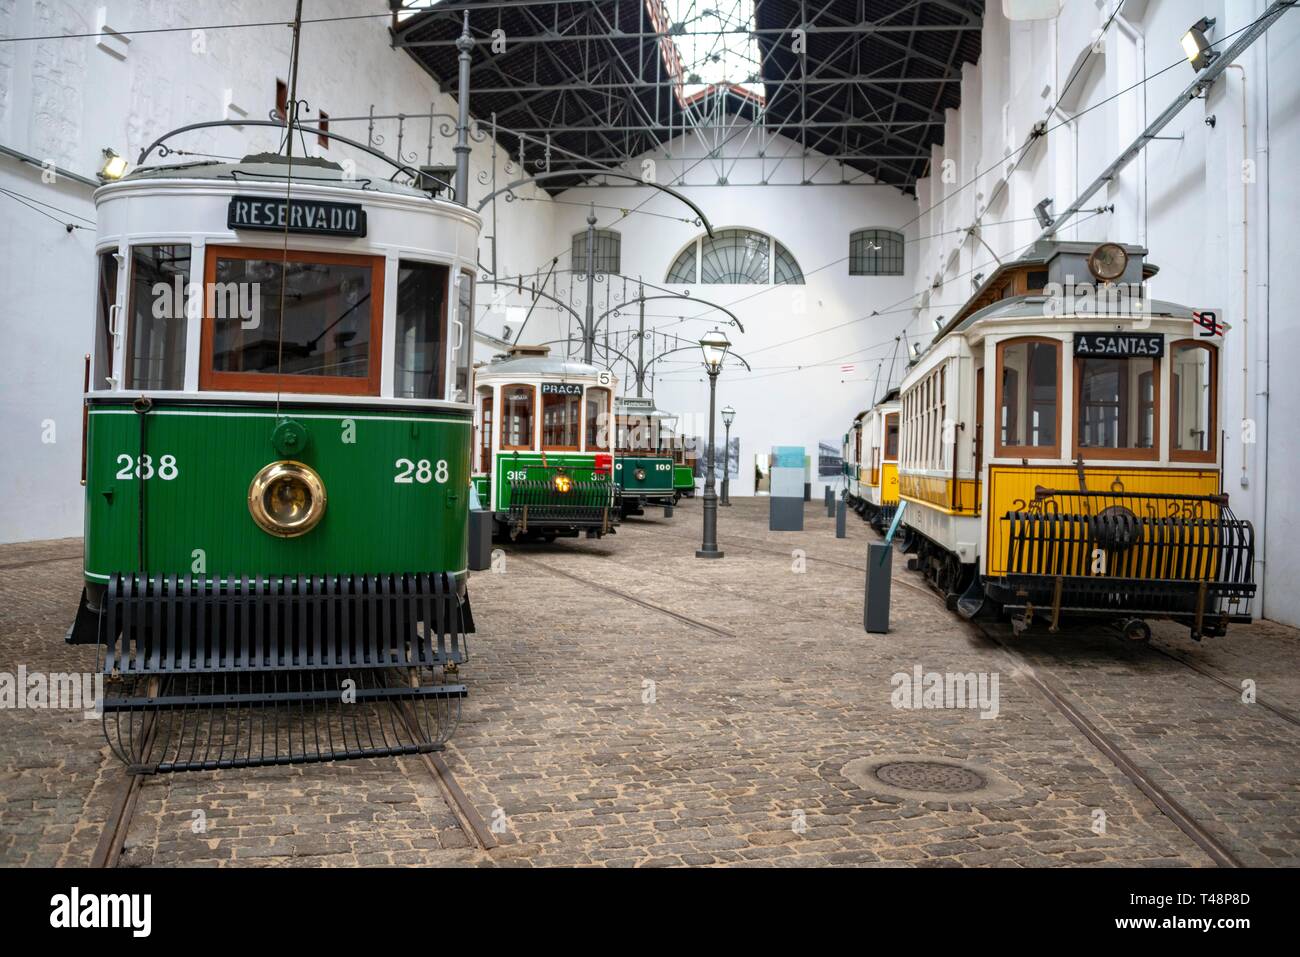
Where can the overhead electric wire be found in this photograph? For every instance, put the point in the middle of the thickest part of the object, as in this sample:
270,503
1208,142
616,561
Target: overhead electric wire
48,206
23,199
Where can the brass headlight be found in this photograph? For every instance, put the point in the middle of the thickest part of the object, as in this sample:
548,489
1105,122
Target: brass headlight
640,475
563,483
286,499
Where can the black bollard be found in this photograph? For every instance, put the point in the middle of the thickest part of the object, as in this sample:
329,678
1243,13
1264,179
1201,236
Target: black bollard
875,611
841,512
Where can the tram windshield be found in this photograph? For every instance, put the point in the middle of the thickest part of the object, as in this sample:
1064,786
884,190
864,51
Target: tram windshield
309,324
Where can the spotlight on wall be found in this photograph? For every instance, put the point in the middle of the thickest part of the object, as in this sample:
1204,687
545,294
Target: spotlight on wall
113,167
1043,216
1197,47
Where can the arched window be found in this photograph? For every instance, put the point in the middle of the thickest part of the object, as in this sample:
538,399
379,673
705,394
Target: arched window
735,257
784,269
683,269
875,252
607,258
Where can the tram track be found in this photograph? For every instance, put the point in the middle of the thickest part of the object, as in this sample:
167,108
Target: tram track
1206,671
609,590
126,798
1062,699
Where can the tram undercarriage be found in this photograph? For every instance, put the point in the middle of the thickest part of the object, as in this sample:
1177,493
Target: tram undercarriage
1123,558
245,672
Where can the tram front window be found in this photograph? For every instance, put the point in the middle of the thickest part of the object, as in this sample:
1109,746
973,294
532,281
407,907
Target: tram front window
560,410
1117,404
419,352
308,325
155,357
517,417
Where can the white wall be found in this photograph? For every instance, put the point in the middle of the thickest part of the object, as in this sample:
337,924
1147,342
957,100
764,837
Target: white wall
1218,242
62,101
795,394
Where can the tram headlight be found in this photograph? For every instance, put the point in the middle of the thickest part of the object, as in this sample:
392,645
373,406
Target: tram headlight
563,483
286,499
640,475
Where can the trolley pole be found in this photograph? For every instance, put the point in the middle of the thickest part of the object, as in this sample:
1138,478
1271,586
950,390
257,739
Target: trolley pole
710,547
589,324
464,43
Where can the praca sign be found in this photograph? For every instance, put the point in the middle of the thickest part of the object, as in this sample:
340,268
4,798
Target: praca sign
296,216
1116,345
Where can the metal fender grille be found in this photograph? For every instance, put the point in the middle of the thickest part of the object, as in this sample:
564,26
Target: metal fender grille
538,503
206,674
1140,553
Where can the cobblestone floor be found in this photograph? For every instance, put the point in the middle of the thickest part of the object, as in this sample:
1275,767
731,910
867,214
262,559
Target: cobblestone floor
602,731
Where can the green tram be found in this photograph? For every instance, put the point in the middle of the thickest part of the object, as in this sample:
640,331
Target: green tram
543,464
643,471
276,464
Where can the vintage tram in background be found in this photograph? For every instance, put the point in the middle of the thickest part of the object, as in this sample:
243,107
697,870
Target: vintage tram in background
644,471
276,468
871,462
1060,451
543,466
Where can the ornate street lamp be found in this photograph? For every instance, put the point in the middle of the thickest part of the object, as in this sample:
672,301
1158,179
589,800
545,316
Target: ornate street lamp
714,345
728,416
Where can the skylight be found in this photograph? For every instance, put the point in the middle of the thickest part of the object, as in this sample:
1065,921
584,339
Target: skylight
716,43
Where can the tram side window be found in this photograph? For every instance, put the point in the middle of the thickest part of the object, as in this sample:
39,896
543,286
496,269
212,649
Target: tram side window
517,417
1117,405
1029,397
155,357
107,296
1192,405
326,340
597,419
419,359
463,342
485,435
891,437
560,424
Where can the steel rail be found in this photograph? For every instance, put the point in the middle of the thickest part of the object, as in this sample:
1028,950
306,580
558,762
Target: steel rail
685,619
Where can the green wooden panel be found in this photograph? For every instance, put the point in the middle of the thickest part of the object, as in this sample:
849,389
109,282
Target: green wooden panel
683,477
658,474
527,466
195,504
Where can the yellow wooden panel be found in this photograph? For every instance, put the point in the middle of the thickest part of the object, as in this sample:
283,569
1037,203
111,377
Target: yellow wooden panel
889,487
1012,489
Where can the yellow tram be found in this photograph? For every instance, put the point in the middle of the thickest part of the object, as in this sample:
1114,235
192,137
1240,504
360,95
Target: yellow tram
1060,451
871,461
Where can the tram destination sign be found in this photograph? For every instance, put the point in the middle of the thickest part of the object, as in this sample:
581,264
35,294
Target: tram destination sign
561,388
1120,345
296,216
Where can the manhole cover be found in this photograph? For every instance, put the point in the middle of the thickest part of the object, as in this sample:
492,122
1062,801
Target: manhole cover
929,776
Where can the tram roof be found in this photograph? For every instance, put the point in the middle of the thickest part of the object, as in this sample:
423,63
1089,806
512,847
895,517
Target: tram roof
1033,306
534,366
641,406
273,167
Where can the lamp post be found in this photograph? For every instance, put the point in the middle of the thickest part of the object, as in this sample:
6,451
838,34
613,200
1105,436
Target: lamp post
714,345
728,416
